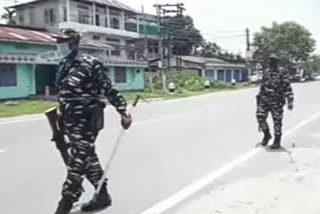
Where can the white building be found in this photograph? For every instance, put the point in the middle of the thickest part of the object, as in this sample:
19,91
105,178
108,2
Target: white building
107,21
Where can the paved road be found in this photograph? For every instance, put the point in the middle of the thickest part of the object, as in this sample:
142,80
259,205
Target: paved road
172,144
269,182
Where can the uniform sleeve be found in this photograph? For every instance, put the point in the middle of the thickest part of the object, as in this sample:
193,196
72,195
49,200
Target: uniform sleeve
113,95
286,88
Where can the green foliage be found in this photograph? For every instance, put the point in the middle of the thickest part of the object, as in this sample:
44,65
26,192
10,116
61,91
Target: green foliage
313,65
25,107
220,85
187,82
212,49
184,35
289,40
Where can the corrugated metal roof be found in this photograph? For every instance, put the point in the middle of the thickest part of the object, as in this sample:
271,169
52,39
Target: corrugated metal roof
41,37
111,3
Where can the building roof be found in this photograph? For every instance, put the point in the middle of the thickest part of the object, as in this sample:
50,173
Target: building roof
29,35
202,60
111,3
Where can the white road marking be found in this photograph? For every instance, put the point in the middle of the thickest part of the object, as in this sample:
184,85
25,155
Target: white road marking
2,150
195,187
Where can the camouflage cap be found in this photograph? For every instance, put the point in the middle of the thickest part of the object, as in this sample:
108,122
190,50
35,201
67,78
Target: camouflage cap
66,35
273,56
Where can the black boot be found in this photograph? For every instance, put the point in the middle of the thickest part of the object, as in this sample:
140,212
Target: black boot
267,136
102,201
65,206
276,143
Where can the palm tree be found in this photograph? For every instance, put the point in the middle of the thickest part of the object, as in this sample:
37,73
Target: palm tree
9,15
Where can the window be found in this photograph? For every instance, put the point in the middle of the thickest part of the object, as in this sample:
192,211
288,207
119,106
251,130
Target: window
8,75
97,19
50,16
65,18
83,14
46,16
84,17
115,23
116,51
111,40
120,75
95,37
21,19
31,15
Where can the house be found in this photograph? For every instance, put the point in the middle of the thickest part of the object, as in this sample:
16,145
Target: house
106,21
29,62
211,68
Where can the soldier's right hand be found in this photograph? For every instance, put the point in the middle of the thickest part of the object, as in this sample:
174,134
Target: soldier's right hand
290,106
126,120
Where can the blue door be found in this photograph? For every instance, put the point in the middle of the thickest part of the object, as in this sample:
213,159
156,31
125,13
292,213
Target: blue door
228,75
236,75
221,75
244,75
209,74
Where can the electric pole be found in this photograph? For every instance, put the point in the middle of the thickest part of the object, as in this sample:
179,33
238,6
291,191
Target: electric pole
163,11
248,52
248,39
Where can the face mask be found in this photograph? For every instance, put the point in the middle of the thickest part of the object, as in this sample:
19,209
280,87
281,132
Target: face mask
63,49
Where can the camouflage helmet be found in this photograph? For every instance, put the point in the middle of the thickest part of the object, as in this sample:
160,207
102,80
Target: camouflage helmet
68,35
273,56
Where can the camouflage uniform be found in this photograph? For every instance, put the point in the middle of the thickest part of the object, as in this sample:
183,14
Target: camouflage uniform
81,81
275,90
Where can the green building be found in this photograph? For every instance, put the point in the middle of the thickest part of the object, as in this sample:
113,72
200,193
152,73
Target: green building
29,62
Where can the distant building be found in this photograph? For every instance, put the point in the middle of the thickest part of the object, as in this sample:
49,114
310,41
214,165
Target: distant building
211,68
106,21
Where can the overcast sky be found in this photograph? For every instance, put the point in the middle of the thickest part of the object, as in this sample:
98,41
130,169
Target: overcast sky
225,21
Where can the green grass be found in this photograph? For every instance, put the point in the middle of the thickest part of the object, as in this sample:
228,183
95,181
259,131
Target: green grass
28,107
25,107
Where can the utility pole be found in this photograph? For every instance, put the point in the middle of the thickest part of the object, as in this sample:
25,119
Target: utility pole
248,39
145,54
166,10
159,7
248,52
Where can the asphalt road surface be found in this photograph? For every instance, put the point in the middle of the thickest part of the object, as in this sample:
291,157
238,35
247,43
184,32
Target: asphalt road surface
170,145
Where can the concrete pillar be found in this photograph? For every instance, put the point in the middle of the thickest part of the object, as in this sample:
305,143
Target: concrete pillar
138,24
122,24
68,10
108,16
94,13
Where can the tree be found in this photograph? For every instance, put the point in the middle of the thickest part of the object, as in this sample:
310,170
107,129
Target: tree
312,65
182,33
212,49
9,16
290,41
209,49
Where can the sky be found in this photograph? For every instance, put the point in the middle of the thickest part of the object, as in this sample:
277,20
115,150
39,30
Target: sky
225,21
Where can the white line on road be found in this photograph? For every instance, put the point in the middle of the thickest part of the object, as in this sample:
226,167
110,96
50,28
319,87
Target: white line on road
1,151
195,187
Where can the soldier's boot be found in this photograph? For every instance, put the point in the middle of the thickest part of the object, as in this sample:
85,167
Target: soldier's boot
64,206
102,201
276,143
266,137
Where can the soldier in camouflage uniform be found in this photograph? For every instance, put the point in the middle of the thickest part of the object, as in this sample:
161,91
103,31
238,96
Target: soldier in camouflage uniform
81,81
275,90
